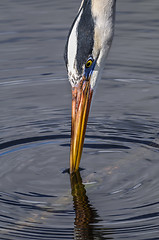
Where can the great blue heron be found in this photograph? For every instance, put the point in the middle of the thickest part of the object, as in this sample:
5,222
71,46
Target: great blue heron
87,46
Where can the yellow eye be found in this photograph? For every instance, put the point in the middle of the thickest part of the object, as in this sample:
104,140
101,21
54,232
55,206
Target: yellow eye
89,63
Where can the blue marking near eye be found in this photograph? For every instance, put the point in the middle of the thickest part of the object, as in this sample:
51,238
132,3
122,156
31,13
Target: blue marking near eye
88,71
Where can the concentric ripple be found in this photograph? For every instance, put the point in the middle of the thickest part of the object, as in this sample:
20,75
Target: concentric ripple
122,185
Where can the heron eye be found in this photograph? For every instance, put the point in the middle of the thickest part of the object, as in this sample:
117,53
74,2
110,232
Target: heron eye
89,63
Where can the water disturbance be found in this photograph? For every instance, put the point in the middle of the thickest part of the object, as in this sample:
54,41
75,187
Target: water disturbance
115,196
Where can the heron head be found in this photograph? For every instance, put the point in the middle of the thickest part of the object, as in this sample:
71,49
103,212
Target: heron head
87,45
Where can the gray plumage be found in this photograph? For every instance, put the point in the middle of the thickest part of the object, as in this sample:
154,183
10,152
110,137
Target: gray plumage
90,35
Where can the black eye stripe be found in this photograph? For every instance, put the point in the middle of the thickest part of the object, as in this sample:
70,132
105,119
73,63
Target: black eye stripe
85,35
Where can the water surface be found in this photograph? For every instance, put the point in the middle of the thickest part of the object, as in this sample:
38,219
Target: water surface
116,195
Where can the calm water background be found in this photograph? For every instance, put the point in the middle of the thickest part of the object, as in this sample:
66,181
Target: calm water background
121,153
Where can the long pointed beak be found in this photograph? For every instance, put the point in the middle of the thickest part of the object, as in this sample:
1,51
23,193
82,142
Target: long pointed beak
81,101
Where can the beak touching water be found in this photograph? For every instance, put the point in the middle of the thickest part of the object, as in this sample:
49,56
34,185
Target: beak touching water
81,101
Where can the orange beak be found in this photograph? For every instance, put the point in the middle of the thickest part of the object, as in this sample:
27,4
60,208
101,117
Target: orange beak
81,101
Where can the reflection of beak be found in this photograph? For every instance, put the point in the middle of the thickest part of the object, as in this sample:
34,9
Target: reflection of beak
81,100
85,214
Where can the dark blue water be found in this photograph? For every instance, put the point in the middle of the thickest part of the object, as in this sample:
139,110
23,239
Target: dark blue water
116,195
